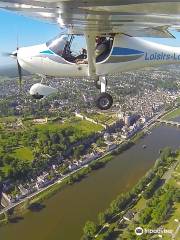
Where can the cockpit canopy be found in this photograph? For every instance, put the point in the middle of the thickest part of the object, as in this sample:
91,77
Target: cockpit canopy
73,47
70,47
57,43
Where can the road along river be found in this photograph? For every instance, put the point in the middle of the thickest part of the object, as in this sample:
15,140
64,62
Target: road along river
65,214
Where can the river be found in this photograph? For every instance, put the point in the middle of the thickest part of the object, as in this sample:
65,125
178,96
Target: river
64,214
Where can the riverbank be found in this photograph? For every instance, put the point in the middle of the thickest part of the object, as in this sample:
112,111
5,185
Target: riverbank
115,220
24,206
36,199
63,215
172,114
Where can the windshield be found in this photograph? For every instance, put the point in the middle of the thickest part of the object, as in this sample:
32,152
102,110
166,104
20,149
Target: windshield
70,47
57,44
73,47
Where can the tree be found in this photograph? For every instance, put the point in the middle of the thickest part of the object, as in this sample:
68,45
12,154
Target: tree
165,153
77,151
176,196
26,203
145,216
55,138
90,229
114,206
70,180
100,142
102,218
6,217
151,188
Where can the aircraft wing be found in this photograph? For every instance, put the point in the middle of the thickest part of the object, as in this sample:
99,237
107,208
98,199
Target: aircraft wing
140,18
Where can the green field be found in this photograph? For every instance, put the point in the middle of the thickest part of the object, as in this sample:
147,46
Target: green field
175,213
172,114
6,169
140,204
171,223
102,118
79,125
24,153
9,119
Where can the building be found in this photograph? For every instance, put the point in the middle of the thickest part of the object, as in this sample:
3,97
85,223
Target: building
129,216
72,167
127,120
40,120
107,136
111,146
120,115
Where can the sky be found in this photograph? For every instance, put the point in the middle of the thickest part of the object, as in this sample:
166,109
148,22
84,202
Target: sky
29,32
32,31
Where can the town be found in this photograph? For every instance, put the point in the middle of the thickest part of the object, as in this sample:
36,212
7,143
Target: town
140,100
132,110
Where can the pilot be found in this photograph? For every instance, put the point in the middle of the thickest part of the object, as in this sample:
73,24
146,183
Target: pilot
82,58
84,53
102,45
67,53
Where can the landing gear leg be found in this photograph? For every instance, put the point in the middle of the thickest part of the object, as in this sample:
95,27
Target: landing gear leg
98,82
43,78
104,100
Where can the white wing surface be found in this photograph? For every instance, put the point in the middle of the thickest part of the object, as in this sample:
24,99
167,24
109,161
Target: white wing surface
139,18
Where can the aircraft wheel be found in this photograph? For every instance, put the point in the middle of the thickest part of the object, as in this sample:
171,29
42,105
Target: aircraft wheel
104,101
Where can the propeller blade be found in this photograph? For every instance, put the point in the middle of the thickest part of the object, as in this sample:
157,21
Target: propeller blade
6,54
9,54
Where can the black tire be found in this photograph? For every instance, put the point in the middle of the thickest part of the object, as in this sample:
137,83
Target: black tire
37,96
98,84
104,101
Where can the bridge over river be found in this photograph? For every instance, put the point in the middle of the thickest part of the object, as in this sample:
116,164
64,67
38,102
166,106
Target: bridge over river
172,123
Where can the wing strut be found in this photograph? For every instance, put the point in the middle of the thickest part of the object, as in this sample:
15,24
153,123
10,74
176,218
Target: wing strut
90,41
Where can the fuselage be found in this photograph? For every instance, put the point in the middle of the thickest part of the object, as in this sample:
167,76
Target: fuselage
126,53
